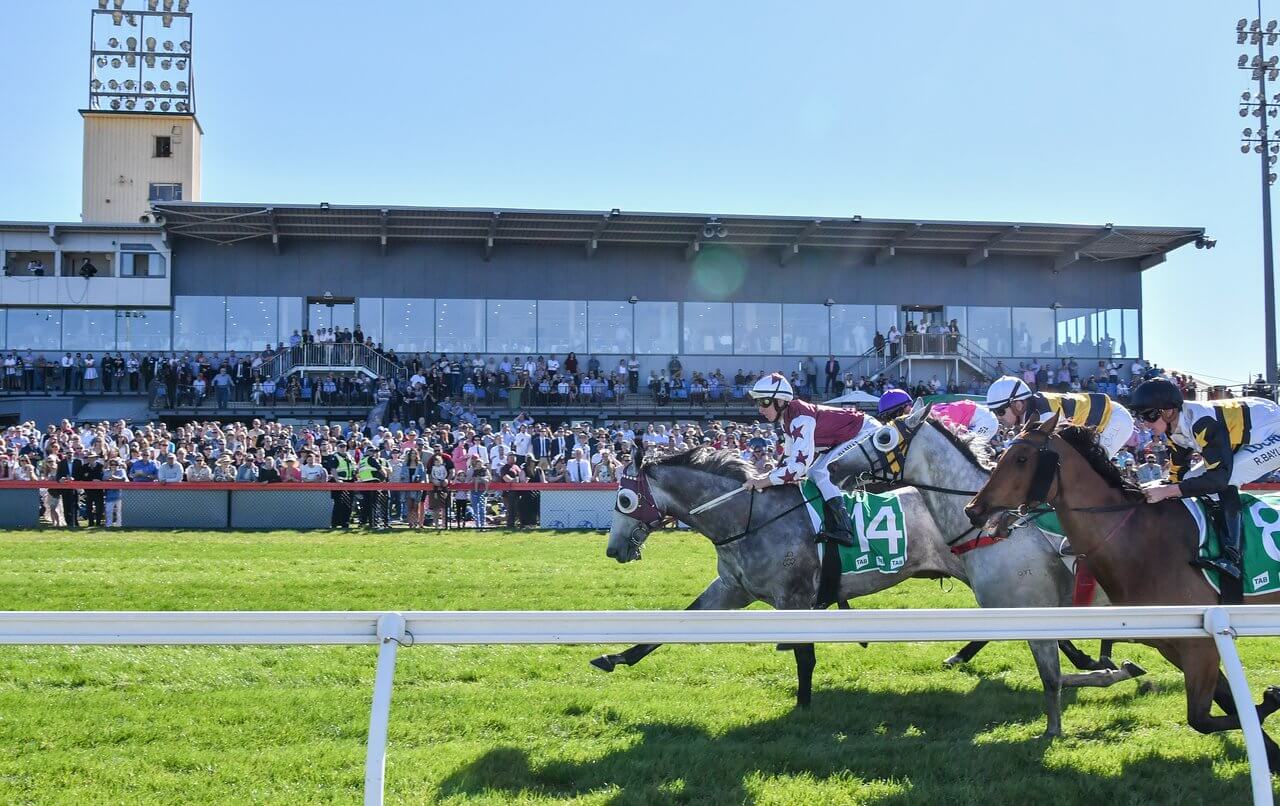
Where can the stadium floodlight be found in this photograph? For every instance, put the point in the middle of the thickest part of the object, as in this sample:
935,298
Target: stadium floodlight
102,5
151,4
102,61
113,43
1244,149
131,60
181,106
165,86
113,85
152,105
151,45
180,64
185,45
115,62
168,45
95,85
168,5
132,20
166,20
130,85
164,106
1244,59
117,17
119,4
183,5
132,43
1244,96
150,60
129,103
182,87
165,64
149,86
115,103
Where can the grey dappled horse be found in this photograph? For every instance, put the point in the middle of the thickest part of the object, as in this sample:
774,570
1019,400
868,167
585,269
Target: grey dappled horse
1024,570
764,542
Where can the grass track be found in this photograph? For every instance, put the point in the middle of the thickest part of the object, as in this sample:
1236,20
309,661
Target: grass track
536,725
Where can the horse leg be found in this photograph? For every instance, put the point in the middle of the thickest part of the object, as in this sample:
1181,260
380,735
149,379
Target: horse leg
1046,656
806,660
719,595
965,654
1270,702
1101,678
1081,660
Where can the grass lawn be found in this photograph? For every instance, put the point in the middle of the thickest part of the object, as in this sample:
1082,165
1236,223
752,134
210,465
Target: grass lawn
536,725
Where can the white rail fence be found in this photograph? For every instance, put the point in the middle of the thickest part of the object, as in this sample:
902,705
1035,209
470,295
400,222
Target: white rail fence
392,630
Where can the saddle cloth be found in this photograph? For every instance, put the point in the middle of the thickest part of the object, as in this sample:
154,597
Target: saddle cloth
879,530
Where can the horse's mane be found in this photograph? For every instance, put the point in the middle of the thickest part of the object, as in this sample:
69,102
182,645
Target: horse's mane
978,452
1085,441
718,462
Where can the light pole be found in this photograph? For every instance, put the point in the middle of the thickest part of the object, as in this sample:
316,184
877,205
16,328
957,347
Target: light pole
1262,67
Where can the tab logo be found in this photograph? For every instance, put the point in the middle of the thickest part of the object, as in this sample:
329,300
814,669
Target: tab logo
862,561
1261,580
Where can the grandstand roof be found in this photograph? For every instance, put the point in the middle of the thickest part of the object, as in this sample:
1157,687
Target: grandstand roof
490,228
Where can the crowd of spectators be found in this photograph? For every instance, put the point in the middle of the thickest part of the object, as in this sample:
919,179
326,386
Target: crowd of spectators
454,463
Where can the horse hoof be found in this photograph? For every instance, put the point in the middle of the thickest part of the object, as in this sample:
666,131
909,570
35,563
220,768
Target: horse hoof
604,663
1105,664
1271,695
785,647
953,661
1133,669
1146,687
1050,735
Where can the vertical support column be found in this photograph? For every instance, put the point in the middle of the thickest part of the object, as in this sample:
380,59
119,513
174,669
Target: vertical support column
390,635
1218,624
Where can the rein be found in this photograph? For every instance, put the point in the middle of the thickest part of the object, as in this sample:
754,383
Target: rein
751,506
1049,470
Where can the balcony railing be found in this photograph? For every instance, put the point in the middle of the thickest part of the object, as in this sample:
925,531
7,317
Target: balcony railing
332,358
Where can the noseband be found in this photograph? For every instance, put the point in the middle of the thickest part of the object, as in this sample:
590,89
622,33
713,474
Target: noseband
1048,469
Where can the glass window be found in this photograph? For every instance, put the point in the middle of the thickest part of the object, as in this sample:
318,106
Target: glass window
3,314
1131,344
253,323
460,325
959,314
369,316
888,316
142,331
513,326
1032,331
657,328
1075,332
757,328
331,315
805,330
290,318
989,329
708,328
407,325
199,323
609,327
165,191
88,329
853,329
562,326
34,328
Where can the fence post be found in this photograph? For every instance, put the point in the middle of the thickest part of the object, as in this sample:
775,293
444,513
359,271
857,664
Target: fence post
1218,624
390,634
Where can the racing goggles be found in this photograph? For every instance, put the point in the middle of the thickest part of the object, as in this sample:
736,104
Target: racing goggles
1149,415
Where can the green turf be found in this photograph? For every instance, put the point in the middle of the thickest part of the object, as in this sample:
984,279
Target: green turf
535,725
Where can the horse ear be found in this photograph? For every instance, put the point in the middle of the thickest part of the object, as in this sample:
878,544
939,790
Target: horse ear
1050,425
915,418
637,457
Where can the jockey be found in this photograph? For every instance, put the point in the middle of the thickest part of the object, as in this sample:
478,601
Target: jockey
959,416
1014,404
809,430
1238,440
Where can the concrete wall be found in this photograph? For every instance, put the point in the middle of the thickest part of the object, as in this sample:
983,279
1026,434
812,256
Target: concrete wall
119,162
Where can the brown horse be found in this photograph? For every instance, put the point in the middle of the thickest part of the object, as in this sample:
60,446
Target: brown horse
1139,552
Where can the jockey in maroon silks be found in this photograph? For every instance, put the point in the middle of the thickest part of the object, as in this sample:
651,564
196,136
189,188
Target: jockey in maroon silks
815,436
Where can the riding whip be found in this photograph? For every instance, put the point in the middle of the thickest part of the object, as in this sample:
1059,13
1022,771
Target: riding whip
717,501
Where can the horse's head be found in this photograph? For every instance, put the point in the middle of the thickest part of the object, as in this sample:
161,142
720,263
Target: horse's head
880,457
1023,475
635,514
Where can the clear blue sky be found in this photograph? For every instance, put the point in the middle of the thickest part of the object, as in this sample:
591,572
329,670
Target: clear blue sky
1067,112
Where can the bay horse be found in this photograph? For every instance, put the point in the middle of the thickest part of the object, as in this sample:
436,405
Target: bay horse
1139,552
763,540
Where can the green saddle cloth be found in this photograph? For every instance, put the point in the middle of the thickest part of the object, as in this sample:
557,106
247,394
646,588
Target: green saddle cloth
879,530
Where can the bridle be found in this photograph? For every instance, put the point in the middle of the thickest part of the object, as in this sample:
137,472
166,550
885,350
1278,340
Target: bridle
888,466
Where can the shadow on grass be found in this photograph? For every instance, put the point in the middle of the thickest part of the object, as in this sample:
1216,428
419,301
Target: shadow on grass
929,745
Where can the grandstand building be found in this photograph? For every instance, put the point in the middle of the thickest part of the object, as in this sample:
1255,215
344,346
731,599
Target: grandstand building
151,267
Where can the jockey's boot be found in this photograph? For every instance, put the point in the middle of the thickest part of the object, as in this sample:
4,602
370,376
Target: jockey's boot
838,529
1228,560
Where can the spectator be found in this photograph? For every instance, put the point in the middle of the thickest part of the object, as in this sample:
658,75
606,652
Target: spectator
224,470
199,470
291,472
438,475
268,472
246,471
1150,470
511,473
170,470
579,468
114,498
312,471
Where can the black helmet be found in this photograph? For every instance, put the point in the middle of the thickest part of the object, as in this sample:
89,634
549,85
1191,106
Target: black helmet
1156,394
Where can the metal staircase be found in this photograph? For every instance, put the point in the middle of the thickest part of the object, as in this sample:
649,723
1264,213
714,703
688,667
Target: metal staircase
333,358
925,346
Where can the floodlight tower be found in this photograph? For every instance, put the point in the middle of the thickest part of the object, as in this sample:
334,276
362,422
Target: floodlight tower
141,137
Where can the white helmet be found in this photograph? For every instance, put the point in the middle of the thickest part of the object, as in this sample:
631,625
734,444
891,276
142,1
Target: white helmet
773,387
1006,390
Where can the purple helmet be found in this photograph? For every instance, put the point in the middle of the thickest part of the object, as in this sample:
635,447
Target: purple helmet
893,399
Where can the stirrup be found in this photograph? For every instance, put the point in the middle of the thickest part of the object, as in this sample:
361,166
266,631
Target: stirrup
1224,565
